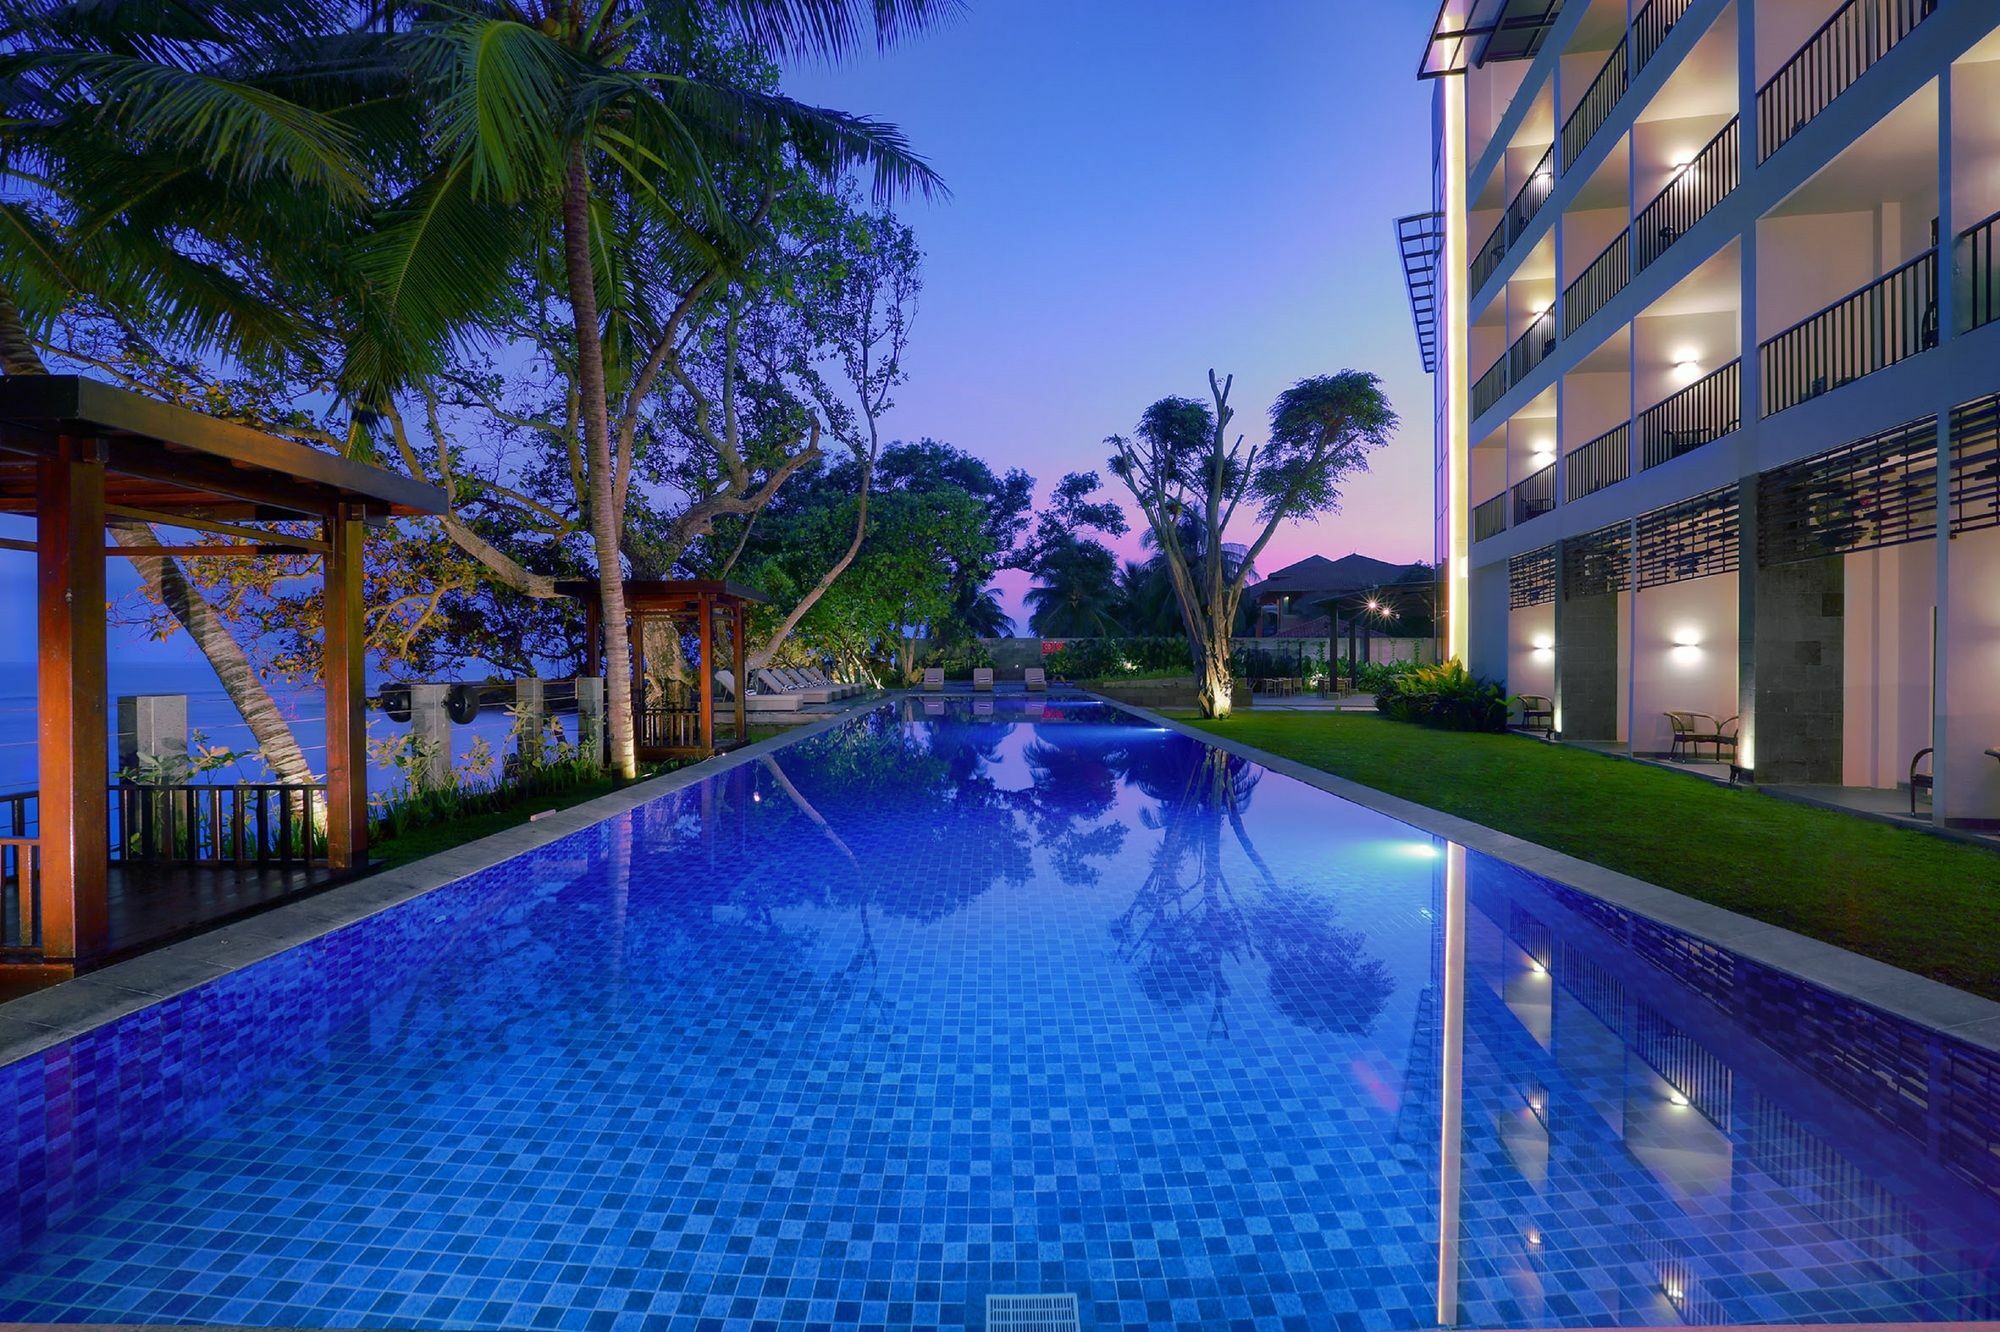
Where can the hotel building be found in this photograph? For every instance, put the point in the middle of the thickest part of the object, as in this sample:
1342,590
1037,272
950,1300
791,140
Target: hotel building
1709,289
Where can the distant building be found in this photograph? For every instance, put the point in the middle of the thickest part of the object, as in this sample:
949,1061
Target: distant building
1314,597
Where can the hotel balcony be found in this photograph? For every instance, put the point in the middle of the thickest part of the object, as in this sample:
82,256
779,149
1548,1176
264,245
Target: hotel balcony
1847,268
1975,201
1820,49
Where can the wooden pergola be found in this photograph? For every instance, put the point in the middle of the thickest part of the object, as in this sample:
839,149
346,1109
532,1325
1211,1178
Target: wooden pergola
674,730
77,454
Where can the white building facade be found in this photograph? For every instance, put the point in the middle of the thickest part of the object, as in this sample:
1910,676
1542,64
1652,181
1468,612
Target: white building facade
1710,291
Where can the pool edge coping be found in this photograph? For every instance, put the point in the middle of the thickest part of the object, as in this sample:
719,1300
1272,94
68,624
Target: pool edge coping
1904,994
39,1021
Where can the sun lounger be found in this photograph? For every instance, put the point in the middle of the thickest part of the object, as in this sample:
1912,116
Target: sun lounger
809,682
1036,679
933,679
756,704
848,689
982,680
775,683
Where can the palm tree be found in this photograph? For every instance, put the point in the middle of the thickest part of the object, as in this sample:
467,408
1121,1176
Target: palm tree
593,124
1076,591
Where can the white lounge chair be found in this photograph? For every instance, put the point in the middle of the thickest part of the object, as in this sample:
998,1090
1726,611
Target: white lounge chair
933,679
805,686
1036,679
982,679
778,684
814,675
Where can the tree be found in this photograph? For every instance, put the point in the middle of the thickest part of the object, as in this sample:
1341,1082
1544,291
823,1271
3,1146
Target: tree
1076,593
1181,466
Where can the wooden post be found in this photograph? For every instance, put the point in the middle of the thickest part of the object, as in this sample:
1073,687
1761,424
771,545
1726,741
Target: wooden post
637,684
593,631
346,684
70,681
706,608
736,671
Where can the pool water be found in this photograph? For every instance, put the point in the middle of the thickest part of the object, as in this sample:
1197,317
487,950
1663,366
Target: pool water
1036,999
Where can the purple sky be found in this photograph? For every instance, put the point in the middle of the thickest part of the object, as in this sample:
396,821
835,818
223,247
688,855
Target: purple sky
1143,189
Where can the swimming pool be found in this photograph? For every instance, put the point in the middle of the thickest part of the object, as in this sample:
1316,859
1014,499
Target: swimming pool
937,1005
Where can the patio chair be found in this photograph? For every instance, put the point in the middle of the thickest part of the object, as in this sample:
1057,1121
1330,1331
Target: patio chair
933,679
982,680
1035,679
778,684
1538,713
815,678
1692,730
1920,781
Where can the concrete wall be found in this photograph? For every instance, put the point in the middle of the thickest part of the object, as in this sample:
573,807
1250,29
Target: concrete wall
1683,657
1800,641
1973,677
1589,707
1887,656
1531,658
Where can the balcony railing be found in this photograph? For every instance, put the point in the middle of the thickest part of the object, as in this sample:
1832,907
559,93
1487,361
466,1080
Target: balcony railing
1599,100
1604,461
1704,411
1860,33
1689,197
1980,246
1535,495
1650,29
1489,519
1487,262
1531,348
1489,388
1592,291
1889,320
1534,192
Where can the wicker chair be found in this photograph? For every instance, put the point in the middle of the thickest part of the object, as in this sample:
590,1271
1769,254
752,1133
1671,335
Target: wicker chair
1919,781
1692,730
1538,713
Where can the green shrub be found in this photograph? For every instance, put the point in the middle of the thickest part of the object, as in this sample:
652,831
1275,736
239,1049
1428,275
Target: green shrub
1117,658
1446,696
1373,677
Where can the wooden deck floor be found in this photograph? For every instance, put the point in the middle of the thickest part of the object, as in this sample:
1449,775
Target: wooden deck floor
155,904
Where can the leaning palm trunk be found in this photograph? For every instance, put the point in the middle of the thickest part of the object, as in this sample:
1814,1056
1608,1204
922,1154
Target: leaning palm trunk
605,520
166,584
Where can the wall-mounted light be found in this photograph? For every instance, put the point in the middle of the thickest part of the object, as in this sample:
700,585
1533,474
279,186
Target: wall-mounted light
1687,636
1677,1097
1682,160
1544,645
1687,365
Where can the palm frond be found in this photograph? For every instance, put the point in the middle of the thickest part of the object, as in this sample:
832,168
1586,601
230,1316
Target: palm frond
829,29
502,101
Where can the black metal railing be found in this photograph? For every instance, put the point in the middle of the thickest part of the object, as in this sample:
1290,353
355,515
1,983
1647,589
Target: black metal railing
1604,461
1596,106
1489,388
1844,48
1534,192
1651,26
1593,289
1532,347
1889,320
1979,248
1704,411
1689,197
1489,519
1535,494
1487,261
252,823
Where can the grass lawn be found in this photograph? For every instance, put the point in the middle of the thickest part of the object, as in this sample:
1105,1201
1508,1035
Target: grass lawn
1919,902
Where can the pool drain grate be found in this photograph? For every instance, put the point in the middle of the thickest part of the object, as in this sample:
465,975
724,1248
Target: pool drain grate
1032,1313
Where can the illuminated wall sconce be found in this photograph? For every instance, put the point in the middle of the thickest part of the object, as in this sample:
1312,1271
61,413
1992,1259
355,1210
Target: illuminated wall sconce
1544,645
1681,161
1677,1098
1687,637
1687,366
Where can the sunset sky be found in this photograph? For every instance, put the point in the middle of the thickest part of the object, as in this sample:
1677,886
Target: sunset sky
1144,189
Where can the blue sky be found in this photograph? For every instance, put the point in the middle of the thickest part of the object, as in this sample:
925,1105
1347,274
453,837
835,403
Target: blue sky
1140,191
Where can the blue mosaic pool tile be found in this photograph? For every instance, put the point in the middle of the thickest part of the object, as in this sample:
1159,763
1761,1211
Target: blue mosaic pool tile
933,1007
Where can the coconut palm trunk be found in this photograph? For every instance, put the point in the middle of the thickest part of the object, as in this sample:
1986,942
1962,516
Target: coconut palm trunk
605,521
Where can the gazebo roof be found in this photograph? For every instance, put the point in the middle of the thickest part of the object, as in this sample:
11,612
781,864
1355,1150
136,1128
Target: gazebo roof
167,459
667,594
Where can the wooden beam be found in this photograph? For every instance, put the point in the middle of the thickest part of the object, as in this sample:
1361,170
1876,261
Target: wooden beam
241,533
15,543
707,677
736,671
344,671
202,552
72,732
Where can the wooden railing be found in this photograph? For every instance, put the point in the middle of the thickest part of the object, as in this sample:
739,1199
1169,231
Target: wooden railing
1650,29
670,727
1704,411
20,895
251,823
1689,197
1489,518
1604,461
1596,106
1844,48
1593,289
1889,320
1535,494
1980,245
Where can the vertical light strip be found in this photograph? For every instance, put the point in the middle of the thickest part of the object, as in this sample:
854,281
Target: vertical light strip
1452,349
1452,1077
